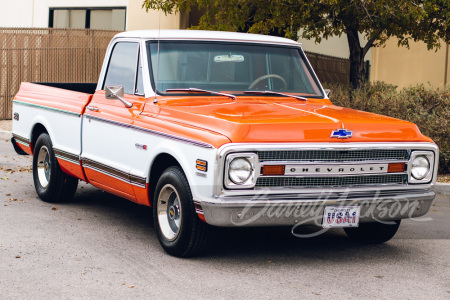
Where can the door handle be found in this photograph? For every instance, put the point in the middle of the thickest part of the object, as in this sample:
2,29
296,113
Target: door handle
91,107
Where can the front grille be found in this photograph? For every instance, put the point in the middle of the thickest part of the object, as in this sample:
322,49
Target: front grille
334,155
331,181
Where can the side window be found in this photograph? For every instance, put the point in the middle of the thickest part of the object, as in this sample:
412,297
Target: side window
122,66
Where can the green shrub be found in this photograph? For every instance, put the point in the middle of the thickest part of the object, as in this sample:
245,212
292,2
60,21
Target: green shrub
427,107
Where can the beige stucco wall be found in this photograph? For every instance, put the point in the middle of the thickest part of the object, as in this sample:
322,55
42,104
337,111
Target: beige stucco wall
447,62
404,67
334,46
138,18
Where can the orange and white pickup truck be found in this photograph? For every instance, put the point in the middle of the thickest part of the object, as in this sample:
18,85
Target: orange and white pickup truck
223,129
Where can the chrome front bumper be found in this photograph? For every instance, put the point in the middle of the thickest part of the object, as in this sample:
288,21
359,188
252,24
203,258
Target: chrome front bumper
265,209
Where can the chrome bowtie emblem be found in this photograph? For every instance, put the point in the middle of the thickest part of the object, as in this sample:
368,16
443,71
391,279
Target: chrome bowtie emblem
341,133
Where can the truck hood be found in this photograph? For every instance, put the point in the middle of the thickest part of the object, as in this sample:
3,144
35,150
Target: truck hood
281,120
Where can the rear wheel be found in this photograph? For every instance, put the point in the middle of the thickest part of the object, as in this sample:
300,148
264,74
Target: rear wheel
373,233
179,230
50,182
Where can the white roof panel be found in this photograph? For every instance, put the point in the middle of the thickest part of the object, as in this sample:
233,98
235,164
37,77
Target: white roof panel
205,35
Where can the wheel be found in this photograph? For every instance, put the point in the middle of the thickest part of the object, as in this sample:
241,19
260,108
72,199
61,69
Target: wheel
257,80
50,182
179,230
373,233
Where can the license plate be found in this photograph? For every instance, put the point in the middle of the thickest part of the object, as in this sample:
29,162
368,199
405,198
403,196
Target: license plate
340,216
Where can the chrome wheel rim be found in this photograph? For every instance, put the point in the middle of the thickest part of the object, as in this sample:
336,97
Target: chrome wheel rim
44,167
169,212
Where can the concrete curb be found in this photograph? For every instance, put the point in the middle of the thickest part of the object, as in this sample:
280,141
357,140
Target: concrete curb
442,188
5,134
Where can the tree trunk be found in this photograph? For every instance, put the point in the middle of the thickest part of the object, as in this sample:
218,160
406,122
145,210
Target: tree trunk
357,66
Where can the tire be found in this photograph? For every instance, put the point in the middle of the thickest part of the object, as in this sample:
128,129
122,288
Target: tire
51,183
373,233
180,231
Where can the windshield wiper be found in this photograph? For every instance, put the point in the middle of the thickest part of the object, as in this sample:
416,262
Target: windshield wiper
195,90
275,93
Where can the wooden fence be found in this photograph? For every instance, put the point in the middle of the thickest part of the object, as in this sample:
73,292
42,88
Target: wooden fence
330,69
48,55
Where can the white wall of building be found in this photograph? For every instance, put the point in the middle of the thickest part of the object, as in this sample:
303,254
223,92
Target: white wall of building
34,13
18,13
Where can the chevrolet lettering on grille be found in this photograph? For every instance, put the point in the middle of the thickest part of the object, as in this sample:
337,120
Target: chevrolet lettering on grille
335,169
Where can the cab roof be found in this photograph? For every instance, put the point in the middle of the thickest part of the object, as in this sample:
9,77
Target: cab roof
205,35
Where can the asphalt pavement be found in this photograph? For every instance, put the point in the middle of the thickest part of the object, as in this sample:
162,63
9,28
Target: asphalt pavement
101,246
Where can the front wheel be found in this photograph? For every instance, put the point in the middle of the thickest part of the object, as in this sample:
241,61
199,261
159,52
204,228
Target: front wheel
179,230
50,182
373,233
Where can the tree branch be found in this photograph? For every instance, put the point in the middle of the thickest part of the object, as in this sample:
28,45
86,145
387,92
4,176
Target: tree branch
371,41
367,12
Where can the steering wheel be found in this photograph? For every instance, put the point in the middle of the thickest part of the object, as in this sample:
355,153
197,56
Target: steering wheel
257,80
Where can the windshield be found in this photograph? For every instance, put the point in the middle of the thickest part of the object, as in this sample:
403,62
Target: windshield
230,67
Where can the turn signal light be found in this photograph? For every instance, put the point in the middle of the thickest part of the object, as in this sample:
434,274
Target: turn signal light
273,170
201,165
397,167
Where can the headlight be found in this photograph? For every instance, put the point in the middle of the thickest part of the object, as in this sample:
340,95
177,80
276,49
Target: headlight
240,170
420,167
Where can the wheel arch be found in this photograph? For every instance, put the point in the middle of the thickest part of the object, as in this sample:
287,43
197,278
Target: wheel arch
170,153
36,131
160,163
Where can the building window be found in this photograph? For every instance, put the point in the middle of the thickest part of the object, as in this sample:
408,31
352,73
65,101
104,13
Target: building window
105,18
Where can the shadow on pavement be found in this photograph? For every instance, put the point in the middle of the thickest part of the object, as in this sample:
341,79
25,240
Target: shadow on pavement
231,242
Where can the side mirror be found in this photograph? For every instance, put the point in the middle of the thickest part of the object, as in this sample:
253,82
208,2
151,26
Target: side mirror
115,92
327,92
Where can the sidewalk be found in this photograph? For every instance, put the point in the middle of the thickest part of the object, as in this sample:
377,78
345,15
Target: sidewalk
442,188
5,125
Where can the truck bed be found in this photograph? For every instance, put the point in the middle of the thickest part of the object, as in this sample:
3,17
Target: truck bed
65,97
52,107
88,88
